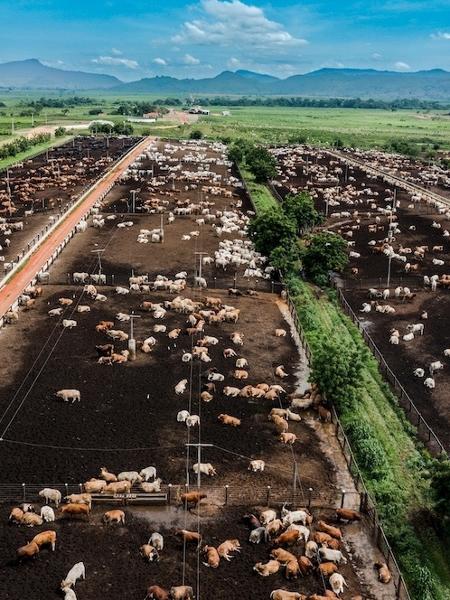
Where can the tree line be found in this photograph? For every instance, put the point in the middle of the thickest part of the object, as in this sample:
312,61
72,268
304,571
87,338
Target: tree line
21,144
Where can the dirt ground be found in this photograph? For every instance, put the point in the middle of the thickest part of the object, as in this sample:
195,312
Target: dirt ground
408,356
127,420
415,224
100,547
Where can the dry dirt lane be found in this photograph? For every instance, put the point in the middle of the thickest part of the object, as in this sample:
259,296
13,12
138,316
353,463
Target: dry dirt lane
18,282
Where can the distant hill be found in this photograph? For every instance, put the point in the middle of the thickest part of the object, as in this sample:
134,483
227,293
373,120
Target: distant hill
225,83
32,73
324,83
369,83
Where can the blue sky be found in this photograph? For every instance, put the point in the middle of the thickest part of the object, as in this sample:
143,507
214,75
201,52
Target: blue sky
198,38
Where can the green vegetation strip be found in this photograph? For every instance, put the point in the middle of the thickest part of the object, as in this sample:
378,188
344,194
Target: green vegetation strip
33,151
394,465
261,196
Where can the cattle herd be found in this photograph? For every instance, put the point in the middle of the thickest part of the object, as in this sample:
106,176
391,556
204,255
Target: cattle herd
159,360
399,273
32,193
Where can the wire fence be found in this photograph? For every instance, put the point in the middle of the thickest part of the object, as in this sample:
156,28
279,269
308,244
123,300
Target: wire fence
367,504
424,430
170,494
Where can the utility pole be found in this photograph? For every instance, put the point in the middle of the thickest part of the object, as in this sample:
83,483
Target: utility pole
162,227
133,204
99,253
389,271
200,254
131,340
8,189
199,457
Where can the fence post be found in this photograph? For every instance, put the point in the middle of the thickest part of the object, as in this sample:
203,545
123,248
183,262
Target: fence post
66,485
343,498
310,490
268,495
226,495
169,494
24,492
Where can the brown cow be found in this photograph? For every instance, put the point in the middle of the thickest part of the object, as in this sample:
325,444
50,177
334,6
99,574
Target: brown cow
45,537
212,557
75,510
384,575
154,592
326,540
192,498
347,514
282,556
149,553
228,546
30,550
189,537
104,326
333,531
292,569
288,538
327,569
305,565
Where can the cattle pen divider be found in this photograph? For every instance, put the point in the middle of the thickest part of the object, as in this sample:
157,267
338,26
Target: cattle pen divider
425,432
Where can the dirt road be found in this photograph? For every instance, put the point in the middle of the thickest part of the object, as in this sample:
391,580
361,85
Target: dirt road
19,281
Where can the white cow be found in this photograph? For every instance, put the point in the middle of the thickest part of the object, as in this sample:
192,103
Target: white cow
204,468
66,395
51,495
257,465
76,572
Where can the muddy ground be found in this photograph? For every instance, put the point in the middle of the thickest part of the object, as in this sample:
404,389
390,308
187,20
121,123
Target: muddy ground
419,353
126,420
113,564
415,224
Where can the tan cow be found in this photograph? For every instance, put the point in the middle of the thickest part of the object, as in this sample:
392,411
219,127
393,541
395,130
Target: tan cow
44,538
229,420
114,516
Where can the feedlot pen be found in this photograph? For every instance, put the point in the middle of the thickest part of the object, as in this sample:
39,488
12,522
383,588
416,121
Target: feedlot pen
127,420
358,208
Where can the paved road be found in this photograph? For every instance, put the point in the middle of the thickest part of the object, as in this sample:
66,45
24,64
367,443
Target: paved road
19,281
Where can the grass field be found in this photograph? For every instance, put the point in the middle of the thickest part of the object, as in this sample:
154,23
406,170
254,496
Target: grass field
360,127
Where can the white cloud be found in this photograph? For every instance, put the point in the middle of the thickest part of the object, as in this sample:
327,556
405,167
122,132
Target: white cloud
116,62
441,35
53,63
234,63
116,52
188,59
234,23
377,56
402,66
160,61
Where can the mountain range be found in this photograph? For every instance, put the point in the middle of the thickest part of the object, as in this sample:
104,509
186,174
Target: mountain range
324,83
